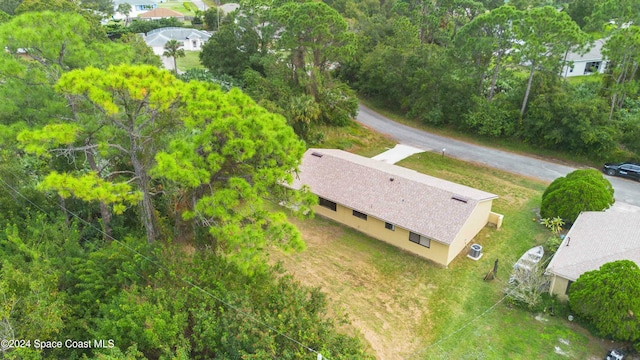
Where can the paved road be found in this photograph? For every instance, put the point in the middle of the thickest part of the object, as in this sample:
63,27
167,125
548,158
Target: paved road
626,191
200,4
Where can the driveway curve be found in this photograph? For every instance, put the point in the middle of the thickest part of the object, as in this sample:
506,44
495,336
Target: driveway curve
627,192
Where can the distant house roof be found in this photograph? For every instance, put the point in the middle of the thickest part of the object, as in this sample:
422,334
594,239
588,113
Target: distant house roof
160,13
595,239
159,37
423,204
594,54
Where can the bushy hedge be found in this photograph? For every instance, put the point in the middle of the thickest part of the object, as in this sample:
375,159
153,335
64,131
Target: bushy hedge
581,190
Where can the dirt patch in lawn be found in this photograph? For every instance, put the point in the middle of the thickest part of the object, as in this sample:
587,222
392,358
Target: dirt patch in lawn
382,307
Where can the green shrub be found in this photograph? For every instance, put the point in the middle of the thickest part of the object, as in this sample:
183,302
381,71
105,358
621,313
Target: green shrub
581,190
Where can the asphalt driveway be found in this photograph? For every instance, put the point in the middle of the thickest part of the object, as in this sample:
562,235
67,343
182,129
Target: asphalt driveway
627,192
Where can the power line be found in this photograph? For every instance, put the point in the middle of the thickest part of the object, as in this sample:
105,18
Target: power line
464,326
161,266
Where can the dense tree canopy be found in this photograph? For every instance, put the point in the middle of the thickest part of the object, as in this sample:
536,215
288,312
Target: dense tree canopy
581,190
610,298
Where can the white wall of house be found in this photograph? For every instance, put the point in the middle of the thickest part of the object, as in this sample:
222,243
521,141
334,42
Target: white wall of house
579,68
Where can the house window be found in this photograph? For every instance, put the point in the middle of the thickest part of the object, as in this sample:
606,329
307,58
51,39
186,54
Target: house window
194,44
419,239
327,203
360,215
592,67
389,226
566,291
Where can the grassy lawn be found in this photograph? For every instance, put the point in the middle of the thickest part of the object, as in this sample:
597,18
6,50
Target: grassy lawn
408,308
498,143
190,61
177,6
354,138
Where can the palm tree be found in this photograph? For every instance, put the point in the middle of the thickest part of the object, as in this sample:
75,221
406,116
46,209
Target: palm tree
125,9
173,50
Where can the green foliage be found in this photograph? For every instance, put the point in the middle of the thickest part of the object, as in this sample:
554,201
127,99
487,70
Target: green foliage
569,118
581,190
4,17
253,153
90,187
9,6
230,50
144,26
140,52
493,118
610,299
338,104
226,82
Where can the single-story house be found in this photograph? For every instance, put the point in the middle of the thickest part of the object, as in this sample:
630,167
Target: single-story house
161,13
191,39
424,215
596,238
586,64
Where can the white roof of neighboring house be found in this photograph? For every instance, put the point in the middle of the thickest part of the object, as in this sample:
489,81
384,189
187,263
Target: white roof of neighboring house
594,54
597,238
420,203
159,37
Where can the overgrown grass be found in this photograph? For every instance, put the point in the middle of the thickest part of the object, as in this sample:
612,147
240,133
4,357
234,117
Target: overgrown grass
190,61
406,307
354,138
593,78
179,7
512,145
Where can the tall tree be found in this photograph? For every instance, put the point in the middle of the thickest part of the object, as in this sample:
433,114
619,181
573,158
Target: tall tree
124,9
487,39
545,35
622,49
317,38
39,48
173,49
233,155
119,113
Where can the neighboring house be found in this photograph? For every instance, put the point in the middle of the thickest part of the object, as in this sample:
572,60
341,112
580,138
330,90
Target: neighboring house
192,39
161,13
137,6
596,238
424,215
590,63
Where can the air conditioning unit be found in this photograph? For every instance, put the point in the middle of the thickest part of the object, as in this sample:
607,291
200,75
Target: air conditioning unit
475,252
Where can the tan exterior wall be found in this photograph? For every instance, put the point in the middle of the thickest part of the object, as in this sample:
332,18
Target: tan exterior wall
559,287
496,219
374,227
478,219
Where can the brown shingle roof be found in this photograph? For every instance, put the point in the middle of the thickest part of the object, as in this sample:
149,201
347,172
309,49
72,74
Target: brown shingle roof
421,203
161,13
595,239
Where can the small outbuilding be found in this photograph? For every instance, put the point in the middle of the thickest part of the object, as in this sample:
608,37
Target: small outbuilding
596,238
422,214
